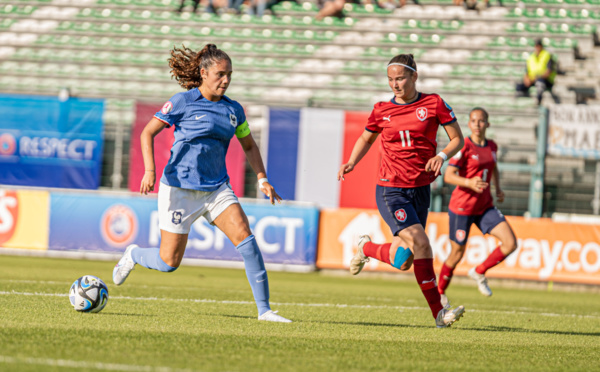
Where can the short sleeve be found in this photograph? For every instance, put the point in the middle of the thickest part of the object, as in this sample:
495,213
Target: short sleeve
372,123
241,115
444,112
459,159
172,111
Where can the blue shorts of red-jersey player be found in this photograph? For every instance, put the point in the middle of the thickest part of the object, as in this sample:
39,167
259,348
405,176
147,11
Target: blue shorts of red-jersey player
460,225
403,207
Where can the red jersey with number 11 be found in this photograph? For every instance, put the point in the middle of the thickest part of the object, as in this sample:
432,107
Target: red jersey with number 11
473,160
408,138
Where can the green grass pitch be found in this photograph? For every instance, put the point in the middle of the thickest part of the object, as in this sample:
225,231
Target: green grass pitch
204,319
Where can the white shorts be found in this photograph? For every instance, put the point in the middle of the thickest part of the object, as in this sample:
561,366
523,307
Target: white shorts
178,208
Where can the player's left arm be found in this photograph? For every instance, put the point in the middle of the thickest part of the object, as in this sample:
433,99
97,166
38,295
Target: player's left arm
255,159
456,143
496,181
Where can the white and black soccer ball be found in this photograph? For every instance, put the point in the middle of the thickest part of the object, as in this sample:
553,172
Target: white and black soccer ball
88,294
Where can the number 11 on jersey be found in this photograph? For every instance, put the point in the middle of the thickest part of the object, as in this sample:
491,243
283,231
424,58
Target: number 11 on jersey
402,135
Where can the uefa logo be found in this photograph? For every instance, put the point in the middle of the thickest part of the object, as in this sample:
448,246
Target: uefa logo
8,144
119,225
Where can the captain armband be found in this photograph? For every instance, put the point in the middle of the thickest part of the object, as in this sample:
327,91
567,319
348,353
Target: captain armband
243,130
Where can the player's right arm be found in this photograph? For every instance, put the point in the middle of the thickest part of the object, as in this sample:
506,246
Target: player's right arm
361,147
147,141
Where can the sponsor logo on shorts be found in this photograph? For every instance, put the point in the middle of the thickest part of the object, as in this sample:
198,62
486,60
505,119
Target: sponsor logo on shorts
167,107
119,225
460,235
177,217
8,144
400,215
421,113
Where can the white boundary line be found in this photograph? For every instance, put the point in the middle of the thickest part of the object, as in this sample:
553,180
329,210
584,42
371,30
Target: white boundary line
87,365
301,304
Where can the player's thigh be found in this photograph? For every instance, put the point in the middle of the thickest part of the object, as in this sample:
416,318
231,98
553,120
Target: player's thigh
234,223
224,211
505,234
172,247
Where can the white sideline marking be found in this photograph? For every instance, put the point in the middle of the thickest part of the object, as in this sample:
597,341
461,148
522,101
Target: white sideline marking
87,365
301,304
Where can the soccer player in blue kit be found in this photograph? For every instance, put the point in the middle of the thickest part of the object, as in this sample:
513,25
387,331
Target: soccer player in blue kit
195,181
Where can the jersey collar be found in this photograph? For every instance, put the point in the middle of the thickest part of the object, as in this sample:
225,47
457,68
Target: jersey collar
404,104
484,144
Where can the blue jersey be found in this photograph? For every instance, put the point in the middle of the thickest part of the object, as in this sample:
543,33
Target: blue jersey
203,130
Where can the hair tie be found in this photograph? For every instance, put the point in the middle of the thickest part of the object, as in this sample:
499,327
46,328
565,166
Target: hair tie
401,64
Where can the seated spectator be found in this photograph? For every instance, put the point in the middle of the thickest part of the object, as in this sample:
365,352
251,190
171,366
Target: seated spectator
330,8
541,70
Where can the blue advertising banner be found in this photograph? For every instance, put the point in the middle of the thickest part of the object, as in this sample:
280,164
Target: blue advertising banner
96,223
51,143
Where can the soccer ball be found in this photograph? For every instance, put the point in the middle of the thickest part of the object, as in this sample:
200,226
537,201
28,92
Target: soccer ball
88,294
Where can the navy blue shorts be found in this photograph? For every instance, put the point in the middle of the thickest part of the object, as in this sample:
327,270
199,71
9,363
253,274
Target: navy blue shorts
460,226
403,207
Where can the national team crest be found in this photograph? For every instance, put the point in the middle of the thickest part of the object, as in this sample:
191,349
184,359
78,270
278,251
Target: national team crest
421,113
233,120
400,215
167,107
460,235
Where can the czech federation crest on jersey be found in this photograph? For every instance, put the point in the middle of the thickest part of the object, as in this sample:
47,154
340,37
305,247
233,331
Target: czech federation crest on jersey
421,113
233,120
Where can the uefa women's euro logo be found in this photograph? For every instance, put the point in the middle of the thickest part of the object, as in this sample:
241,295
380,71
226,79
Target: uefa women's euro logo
119,225
8,144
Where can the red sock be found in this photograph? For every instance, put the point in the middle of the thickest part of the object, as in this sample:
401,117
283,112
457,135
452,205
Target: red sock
493,259
380,252
445,277
426,279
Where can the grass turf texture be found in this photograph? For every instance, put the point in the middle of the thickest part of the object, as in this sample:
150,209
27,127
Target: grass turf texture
204,319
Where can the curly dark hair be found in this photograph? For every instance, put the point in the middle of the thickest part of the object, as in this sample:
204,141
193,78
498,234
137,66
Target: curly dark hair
405,59
186,64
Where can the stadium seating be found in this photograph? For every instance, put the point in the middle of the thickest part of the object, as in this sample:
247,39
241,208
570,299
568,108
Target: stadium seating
118,49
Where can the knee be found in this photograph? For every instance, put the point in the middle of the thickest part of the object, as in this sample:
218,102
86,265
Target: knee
510,245
170,264
408,264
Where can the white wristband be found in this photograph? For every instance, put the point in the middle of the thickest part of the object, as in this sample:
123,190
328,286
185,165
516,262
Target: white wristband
443,155
261,181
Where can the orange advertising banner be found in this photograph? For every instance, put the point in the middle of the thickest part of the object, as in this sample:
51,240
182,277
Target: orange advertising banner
547,250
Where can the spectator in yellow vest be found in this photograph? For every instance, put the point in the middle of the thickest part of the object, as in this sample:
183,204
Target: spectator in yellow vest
541,70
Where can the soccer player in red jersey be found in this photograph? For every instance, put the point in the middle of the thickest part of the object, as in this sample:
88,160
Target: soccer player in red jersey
471,203
408,125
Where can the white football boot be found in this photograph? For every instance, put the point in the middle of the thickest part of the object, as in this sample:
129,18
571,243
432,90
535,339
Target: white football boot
124,266
446,317
358,261
271,316
482,283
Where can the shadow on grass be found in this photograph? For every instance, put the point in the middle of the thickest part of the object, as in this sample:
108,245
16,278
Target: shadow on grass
460,327
524,330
